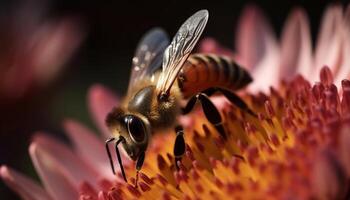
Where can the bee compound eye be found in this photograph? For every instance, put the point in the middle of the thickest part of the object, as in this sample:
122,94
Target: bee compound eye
136,129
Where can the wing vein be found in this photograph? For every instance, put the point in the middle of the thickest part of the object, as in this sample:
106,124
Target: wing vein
180,48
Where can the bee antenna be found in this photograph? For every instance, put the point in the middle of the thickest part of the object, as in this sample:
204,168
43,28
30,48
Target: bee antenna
121,139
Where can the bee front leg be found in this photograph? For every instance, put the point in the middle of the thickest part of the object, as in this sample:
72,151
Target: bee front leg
180,146
210,112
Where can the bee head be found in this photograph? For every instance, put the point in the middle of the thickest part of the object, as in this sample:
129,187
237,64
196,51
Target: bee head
133,128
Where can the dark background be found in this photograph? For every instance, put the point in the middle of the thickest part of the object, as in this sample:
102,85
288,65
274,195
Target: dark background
113,29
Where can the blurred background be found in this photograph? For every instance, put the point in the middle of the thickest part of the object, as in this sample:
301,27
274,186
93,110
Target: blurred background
52,51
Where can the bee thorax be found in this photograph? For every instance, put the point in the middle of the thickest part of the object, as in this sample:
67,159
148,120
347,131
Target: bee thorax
161,114
142,101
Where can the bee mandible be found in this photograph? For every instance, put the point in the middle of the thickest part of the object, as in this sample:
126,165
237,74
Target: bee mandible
162,76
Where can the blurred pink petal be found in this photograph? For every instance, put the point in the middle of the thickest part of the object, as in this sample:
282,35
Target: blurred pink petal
257,49
329,178
344,68
254,36
73,166
186,121
220,102
24,186
296,47
34,48
347,17
344,71
329,44
54,43
54,178
345,147
16,80
83,139
102,195
210,45
101,101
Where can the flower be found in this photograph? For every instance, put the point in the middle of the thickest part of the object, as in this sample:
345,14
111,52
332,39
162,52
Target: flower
33,53
62,169
33,50
270,60
297,147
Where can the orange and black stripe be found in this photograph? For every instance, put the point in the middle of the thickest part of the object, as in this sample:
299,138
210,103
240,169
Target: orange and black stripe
202,71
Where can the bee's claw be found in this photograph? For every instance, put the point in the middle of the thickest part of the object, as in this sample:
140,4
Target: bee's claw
178,163
139,164
136,178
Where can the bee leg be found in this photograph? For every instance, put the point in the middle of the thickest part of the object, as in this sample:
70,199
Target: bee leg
179,147
109,153
232,97
210,112
121,139
139,164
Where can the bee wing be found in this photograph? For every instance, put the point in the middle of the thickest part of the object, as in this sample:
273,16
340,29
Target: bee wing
148,55
180,48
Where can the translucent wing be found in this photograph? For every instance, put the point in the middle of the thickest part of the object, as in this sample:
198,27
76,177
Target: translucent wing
148,55
180,48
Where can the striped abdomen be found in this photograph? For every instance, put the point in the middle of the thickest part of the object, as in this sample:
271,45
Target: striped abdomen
202,71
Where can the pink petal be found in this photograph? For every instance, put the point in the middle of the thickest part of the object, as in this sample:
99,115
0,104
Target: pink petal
101,101
347,17
54,178
18,79
328,177
102,195
329,44
220,102
74,167
186,121
210,45
253,36
344,71
24,186
345,147
296,47
258,49
53,44
91,148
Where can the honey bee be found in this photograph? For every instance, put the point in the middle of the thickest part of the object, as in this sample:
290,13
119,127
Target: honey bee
153,100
